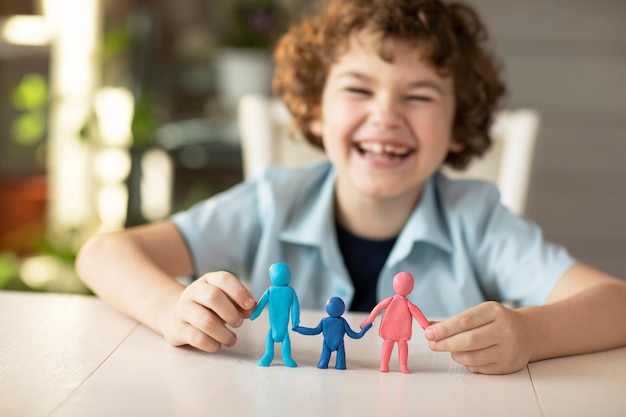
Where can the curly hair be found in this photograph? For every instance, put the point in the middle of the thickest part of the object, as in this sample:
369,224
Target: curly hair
451,36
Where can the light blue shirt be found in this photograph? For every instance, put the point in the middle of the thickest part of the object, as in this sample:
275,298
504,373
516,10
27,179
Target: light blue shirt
461,244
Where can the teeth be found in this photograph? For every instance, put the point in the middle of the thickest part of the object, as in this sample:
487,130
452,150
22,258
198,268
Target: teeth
396,151
379,148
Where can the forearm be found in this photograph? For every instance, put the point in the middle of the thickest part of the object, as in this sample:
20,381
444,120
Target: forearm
123,275
588,321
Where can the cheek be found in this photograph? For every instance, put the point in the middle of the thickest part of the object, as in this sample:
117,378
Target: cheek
333,138
336,125
434,131
337,139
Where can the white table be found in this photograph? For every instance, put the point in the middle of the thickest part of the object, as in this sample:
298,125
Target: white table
67,355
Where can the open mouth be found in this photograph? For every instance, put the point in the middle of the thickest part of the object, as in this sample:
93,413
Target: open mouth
383,151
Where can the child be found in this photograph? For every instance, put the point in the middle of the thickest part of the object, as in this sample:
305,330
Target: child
392,90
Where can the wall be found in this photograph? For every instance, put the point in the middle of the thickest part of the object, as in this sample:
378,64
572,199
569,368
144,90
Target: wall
567,59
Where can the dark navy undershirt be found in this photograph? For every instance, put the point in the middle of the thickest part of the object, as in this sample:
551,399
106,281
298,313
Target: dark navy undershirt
364,259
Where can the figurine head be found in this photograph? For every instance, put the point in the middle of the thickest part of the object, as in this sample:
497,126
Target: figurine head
280,274
403,283
335,307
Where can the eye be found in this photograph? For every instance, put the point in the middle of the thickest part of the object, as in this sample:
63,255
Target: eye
421,98
358,91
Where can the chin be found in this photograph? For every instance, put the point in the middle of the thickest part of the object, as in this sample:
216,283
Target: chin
387,192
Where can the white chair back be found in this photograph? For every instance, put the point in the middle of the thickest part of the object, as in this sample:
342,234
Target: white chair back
268,138
508,162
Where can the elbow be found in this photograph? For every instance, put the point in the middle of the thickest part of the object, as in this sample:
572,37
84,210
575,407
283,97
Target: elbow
86,257
90,257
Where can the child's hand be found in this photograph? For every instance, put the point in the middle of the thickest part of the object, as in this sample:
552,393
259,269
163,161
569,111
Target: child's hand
488,339
202,311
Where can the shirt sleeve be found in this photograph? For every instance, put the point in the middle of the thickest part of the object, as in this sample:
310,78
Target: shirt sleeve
222,232
514,262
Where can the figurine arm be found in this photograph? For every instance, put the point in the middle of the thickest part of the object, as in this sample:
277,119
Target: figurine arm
354,334
295,310
261,305
419,316
379,307
309,331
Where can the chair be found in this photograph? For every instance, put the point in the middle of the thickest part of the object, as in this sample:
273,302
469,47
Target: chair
508,162
267,139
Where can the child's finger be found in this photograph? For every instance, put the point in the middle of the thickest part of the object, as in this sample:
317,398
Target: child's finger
217,301
198,339
232,287
466,320
476,358
210,324
472,340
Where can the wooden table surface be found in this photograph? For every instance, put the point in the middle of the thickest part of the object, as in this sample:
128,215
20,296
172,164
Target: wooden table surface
69,355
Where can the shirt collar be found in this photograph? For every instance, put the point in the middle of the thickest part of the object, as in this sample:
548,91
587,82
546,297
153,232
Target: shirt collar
426,224
314,225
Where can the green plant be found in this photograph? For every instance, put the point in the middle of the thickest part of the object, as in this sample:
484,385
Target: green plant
9,266
30,97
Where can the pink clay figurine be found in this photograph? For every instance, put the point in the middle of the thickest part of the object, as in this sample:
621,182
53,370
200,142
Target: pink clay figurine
396,322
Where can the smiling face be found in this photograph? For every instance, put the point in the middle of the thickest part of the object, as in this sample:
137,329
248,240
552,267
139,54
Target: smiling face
386,126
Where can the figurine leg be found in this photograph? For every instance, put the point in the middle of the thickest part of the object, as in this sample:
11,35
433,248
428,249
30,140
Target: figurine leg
340,360
325,358
386,355
286,352
403,355
266,360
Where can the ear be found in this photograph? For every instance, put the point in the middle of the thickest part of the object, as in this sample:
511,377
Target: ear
316,127
456,146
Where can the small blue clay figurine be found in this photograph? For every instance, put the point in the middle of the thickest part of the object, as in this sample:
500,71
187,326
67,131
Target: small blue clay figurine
280,298
334,328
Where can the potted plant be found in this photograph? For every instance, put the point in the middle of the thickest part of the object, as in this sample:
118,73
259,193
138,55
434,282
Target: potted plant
246,31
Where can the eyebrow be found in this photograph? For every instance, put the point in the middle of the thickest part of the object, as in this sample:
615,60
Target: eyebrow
427,84
416,84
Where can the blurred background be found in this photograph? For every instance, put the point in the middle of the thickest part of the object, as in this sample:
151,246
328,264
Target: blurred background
119,112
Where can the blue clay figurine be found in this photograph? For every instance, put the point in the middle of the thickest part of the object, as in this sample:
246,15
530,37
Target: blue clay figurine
280,299
334,328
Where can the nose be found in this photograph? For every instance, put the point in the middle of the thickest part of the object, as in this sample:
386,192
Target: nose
386,112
